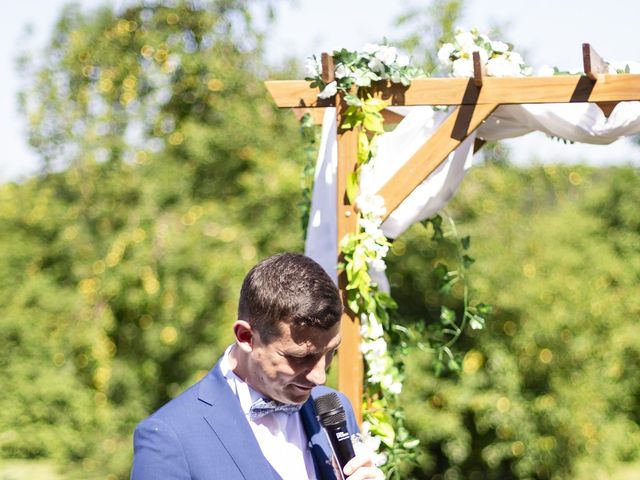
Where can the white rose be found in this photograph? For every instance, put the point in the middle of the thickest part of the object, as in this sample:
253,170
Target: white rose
329,91
516,58
386,54
312,67
378,265
395,388
499,47
463,67
465,40
362,78
445,52
402,60
341,71
502,67
545,71
376,65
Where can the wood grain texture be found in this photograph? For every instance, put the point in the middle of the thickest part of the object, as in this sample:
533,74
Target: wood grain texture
593,63
431,155
503,90
350,363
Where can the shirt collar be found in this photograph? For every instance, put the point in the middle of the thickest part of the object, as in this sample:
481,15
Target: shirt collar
241,389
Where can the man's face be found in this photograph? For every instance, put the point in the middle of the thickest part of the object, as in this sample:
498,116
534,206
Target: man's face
288,366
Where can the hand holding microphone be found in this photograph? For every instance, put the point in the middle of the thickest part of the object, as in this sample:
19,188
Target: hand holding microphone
333,418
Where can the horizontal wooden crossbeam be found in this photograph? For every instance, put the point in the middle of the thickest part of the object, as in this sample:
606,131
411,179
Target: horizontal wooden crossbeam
503,90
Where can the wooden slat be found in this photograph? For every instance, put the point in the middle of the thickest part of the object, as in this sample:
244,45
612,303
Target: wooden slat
350,363
503,90
433,153
477,69
328,68
593,63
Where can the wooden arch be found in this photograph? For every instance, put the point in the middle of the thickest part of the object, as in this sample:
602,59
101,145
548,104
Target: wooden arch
474,100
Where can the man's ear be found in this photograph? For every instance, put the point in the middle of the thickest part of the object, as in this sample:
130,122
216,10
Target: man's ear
244,335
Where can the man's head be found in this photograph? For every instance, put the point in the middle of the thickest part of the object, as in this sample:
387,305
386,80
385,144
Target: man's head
288,326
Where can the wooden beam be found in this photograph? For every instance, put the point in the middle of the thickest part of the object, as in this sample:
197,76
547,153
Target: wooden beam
477,69
593,63
448,137
594,66
495,90
350,363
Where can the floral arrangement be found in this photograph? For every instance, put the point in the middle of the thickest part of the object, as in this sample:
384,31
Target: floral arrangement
383,343
360,68
497,58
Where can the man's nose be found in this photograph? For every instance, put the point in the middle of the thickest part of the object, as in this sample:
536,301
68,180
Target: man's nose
318,373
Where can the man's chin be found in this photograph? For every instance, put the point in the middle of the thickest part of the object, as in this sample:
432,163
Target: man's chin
298,394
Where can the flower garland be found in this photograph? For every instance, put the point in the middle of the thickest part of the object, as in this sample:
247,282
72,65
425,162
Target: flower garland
497,58
365,250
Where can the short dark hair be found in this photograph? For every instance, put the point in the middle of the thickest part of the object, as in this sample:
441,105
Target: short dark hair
288,288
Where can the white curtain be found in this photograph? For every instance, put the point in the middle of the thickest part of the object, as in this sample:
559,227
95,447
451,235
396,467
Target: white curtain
578,122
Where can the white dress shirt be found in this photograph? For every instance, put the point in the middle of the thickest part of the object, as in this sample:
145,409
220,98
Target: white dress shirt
281,436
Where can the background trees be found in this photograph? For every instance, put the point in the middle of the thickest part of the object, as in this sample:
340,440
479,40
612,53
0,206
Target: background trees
168,173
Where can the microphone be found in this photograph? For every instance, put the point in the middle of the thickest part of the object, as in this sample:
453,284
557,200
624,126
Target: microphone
333,418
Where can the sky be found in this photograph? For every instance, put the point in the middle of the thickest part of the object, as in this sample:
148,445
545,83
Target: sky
546,32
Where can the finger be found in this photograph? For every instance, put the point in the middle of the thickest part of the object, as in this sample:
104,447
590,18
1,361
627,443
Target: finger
363,473
359,461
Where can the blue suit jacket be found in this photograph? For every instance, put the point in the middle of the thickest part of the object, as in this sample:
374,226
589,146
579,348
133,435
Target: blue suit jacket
203,435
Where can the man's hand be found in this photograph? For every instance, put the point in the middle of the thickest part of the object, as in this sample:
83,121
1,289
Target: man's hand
361,467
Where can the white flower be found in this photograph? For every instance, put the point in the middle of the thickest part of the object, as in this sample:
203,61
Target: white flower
463,67
386,54
329,91
312,67
402,60
341,71
466,41
499,47
376,65
362,77
545,71
371,205
378,265
445,52
377,348
502,67
516,58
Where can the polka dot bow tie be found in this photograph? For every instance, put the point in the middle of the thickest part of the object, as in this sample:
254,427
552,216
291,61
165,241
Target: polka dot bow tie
262,407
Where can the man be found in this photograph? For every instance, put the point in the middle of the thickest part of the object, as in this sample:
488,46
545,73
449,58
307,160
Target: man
225,426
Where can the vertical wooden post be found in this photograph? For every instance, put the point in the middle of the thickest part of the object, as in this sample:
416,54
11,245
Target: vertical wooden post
350,364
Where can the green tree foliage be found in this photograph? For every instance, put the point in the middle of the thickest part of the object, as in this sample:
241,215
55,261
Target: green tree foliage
120,273
168,173
551,390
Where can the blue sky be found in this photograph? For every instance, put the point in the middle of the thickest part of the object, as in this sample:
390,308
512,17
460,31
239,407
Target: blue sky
547,32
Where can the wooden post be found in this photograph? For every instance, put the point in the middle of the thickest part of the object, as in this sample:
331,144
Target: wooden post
350,363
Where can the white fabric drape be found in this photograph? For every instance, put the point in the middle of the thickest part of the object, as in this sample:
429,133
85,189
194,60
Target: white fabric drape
579,122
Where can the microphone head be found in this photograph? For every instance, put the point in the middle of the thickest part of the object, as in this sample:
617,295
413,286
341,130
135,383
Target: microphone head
329,409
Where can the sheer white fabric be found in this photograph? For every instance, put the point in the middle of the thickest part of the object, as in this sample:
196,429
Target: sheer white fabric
579,122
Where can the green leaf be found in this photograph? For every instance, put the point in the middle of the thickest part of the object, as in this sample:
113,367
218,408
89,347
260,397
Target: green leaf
374,122
467,261
363,147
466,242
353,100
352,185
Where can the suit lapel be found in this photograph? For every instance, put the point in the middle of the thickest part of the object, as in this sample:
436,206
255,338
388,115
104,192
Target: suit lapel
229,424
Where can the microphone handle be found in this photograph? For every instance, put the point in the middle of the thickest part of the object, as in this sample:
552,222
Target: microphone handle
340,439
